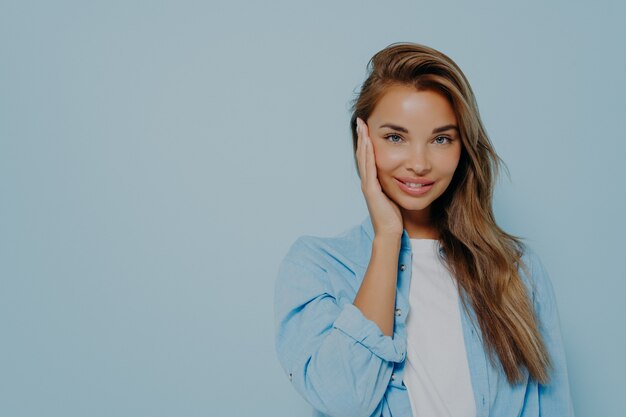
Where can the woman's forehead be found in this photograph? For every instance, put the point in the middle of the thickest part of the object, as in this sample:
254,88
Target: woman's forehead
405,106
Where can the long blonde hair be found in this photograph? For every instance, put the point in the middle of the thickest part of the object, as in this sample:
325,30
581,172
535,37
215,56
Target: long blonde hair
482,257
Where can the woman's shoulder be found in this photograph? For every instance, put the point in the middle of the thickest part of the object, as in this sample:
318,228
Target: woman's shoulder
350,247
534,272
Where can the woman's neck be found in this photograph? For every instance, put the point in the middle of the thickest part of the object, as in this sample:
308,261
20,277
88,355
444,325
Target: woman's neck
419,225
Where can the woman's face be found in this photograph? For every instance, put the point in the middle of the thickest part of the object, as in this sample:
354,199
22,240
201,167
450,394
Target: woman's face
416,139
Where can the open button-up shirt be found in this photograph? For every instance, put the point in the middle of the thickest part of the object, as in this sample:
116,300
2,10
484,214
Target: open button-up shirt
342,363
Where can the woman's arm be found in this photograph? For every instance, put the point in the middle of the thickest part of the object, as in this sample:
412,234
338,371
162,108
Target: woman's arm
377,295
336,358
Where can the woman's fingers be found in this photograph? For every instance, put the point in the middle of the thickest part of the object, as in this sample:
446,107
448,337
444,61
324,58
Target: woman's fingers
367,166
361,152
370,165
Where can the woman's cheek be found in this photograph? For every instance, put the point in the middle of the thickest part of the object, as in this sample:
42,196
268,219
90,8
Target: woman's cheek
388,158
384,164
447,162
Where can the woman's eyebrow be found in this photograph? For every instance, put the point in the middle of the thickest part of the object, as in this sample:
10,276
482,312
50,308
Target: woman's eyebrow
405,130
394,127
446,127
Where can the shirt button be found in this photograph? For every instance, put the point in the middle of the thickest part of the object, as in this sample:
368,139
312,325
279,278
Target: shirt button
398,312
290,376
402,267
393,377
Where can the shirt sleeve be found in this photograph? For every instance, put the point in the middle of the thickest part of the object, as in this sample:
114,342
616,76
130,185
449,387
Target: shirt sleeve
554,396
335,357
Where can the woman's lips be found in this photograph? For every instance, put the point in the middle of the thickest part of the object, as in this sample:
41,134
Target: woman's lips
415,180
414,191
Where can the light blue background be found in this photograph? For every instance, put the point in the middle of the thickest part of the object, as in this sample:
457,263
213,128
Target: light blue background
158,158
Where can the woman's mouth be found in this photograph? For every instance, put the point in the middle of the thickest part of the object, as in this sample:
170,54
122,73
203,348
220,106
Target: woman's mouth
414,188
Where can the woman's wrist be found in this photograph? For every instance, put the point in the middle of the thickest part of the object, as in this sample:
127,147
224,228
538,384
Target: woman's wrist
387,246
388,238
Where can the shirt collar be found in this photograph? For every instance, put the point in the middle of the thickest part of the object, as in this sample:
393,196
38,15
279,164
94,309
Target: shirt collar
367,226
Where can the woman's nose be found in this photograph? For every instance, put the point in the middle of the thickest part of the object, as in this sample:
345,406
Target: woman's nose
419,162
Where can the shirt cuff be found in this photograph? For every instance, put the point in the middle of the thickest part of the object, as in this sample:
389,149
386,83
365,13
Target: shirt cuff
354,324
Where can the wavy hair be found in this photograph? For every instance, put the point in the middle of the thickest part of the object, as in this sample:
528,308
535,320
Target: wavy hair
482,257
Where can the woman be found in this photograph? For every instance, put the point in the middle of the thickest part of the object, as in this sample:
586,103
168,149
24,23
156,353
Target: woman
426,308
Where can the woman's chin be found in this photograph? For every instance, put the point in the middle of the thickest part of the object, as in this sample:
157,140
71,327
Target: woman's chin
406,204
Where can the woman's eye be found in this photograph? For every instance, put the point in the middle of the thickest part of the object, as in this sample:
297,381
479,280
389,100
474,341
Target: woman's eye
442,137
390,138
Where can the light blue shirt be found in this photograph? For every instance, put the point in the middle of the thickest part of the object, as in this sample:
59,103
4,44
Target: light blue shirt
342,363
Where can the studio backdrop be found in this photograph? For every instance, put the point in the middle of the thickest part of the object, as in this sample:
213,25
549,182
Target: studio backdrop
157,160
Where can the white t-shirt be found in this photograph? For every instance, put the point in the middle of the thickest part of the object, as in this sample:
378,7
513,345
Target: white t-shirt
436,373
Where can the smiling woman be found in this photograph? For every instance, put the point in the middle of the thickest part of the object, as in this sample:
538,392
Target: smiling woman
427,307
414,158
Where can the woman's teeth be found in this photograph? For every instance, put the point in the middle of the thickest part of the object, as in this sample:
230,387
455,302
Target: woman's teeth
413,184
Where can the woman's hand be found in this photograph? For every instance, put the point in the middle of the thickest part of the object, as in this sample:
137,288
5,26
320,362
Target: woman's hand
385,214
